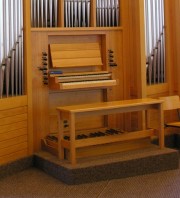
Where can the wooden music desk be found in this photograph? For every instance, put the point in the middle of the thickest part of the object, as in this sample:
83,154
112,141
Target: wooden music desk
71,113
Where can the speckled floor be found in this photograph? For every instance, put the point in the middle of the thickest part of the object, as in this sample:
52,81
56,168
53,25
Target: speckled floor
33,183
111,166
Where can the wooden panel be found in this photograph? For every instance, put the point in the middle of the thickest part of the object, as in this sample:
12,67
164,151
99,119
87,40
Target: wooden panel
74,46
9,103
157,89
75,54
13,119
113,148
12,112
96,150
13,134
13,149
88,84
13,141
13,156
76,62
39,91
14,126
114,41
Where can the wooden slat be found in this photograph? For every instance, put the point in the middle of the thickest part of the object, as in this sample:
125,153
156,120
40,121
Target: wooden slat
75,54
14,102
95,107
78,62
13,149
13,156
87,84
13,119
12,127
113,147
13,134
74,46
173,124
13,141
12,112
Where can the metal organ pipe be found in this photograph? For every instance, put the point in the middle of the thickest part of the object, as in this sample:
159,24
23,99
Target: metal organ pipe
11,52
155,48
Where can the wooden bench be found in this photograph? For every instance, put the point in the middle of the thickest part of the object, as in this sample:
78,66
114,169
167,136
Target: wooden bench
71,113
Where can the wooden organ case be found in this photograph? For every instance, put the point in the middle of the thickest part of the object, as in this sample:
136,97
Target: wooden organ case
78,72
78,65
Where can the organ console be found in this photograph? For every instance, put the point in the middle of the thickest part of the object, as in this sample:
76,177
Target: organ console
78,55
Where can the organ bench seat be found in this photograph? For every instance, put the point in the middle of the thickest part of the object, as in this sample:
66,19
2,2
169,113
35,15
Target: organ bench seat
71,113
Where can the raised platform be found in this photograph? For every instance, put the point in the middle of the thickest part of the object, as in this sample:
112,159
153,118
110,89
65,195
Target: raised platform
112,166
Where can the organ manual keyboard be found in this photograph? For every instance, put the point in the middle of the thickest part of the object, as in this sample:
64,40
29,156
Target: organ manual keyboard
84,80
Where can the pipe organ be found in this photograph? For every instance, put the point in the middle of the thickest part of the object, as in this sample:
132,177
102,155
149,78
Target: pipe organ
76,65
77,52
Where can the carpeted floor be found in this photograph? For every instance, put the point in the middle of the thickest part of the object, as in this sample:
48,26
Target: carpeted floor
33,183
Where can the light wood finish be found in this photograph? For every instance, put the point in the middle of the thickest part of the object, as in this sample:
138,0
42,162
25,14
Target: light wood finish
113,147
11,119
14,102
171,103
105,108
11,142
75,55
172,31
13,112
13,128
157,90
15,155
13,134
97,150
127,42
129,105
87,84
40,95
47,98
28,70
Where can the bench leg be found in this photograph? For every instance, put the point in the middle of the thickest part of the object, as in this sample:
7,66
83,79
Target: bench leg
72,139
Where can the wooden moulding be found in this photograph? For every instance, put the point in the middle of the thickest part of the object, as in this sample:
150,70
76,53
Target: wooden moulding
99,149
54,85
